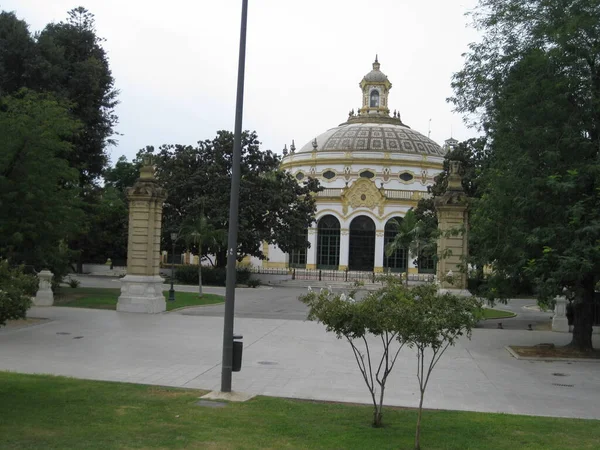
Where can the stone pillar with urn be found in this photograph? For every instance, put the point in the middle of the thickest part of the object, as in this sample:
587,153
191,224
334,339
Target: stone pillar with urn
453,224
142,287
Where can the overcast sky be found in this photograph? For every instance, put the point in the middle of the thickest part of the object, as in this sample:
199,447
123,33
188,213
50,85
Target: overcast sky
175,63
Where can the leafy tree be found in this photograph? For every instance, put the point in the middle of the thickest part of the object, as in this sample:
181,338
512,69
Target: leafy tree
397,316
108,212
39,196
274,207
201,236
380,314
533,83
433,322
16,290
411,236
123,175
18,55
75,67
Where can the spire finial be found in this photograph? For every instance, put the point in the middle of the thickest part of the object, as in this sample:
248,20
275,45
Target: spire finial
376,63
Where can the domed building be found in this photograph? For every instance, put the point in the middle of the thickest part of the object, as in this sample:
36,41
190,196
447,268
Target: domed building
373,168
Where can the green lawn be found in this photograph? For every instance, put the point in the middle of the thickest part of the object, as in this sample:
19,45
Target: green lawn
105,298
45,412
489,313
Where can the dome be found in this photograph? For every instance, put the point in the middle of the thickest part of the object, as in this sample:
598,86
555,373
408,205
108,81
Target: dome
375,75
374,137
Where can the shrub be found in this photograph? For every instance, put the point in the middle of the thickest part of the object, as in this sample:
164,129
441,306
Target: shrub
16,290
253,282
74,283
211,276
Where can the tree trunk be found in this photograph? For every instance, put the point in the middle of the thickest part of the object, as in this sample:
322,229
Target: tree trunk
583,318
221,258
199,278
377,418
418,432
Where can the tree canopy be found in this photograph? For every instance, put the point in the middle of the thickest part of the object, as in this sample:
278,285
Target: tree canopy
533,85
39,193
274,207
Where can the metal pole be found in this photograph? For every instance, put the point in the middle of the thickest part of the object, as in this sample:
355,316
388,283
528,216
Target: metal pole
233,214
172,291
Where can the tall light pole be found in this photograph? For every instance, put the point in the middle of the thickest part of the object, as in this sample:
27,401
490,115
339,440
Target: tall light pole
172,291
227,363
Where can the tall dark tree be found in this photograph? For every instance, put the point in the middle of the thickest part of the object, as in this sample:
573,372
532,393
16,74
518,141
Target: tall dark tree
39,195
533,85
273,206
19,60
75,67
473,156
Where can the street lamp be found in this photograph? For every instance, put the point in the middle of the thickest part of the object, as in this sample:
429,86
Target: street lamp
172,291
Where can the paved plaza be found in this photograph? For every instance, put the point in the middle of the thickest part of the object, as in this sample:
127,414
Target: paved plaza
288,357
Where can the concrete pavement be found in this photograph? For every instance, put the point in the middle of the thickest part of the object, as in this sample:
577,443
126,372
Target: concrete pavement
293,358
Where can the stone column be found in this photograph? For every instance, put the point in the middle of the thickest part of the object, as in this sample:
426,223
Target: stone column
311,252
344,248
141,288
560,322
453,224
379,251
44,295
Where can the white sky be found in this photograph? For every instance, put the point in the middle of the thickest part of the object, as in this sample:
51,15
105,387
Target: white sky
175,64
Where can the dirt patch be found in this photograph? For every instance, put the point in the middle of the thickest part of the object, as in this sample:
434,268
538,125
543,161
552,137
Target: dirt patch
24,323
551,351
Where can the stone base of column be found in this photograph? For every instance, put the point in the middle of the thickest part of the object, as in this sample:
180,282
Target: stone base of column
142,294
560,324
43,298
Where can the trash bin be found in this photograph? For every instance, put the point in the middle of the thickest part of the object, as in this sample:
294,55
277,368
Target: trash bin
238,346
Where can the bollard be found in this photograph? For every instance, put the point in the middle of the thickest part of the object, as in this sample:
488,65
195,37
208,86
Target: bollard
319,274
238,347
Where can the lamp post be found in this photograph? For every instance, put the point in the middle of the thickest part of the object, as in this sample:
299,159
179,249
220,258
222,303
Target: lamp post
172,291
227,361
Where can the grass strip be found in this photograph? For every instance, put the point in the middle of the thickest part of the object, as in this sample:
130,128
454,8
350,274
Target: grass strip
106,298
40,411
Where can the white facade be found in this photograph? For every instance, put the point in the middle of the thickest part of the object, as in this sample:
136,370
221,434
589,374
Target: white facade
373,168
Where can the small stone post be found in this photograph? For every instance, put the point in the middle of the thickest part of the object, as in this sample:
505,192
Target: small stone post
560,322
44,295
452,248
141,288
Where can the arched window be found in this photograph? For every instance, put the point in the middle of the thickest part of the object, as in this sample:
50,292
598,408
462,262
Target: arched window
328,243
374,98
398,260
362,244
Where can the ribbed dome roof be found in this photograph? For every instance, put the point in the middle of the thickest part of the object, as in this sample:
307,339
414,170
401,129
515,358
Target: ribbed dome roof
374,137
375,75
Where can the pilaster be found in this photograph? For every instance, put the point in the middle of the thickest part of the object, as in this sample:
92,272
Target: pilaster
379,251
141,288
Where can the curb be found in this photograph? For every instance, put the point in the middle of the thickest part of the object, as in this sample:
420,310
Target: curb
537,358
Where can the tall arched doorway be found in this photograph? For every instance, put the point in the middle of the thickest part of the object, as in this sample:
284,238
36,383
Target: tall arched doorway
328,243
398,260
362,244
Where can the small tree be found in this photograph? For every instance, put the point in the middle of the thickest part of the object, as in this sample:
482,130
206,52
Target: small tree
16,290
433,322
198,232
379,313
412,236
